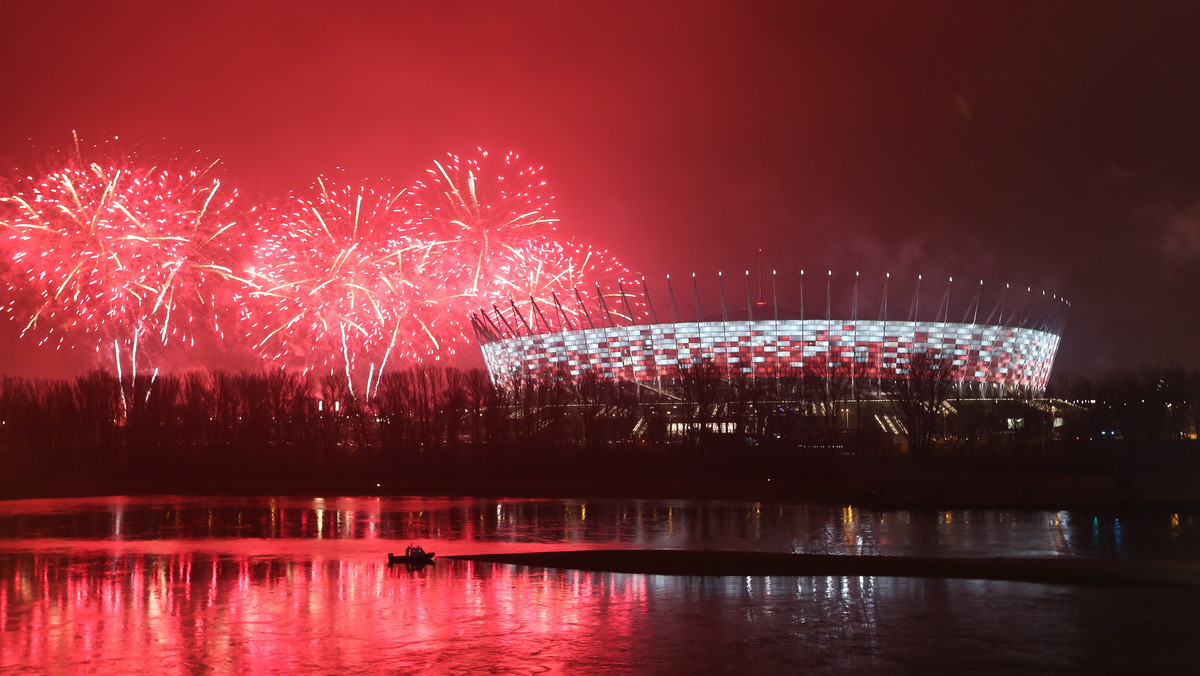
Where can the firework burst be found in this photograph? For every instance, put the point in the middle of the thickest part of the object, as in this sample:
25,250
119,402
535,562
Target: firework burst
339,279
565,284
128,257
133,260
479,209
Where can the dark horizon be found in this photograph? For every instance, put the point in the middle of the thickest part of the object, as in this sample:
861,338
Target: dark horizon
1053,146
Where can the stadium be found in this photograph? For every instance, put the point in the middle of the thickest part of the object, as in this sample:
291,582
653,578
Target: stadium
621,363
617,335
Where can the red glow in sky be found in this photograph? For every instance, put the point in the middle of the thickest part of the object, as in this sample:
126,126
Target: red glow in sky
1052,145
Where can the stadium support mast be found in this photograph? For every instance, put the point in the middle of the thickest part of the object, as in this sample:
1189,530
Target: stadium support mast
625,302
854,300
721,284
802,295
883,306
538,311
520,316
749,301
562,314
829,296
604,306
912,313
671,296
775,293
511,330
649,305
583,306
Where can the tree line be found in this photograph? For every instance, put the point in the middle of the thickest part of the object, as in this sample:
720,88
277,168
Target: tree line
427,419
1147,404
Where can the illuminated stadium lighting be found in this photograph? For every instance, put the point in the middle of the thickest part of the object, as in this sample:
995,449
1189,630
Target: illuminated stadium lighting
1015,352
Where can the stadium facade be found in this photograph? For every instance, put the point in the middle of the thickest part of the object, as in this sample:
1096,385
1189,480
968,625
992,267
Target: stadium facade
988,358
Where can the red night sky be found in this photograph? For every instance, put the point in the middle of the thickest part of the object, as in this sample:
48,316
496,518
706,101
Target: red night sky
1051,144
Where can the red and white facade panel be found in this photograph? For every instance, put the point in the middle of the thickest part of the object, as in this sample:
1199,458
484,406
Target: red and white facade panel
985,354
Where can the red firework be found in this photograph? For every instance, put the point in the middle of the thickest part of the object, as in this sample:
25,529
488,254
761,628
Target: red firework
130,257
479,209
344,279
340,283
559,285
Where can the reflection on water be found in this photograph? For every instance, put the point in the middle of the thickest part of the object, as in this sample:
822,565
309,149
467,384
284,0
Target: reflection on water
191,612
184,585
473,526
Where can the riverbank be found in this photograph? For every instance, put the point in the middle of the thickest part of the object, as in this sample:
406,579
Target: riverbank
725,563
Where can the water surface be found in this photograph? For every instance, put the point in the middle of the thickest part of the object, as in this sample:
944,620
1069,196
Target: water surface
272,585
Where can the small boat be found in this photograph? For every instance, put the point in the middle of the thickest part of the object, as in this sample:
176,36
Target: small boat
413,556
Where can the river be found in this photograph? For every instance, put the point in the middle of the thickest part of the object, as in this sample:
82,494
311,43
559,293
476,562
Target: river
276,585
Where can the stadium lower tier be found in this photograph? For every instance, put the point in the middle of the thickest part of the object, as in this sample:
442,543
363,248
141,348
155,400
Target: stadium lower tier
980,354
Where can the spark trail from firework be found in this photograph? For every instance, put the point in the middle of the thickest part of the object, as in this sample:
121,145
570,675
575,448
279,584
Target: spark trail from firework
343,283
542,277
375,277
124,254
480,208
345,279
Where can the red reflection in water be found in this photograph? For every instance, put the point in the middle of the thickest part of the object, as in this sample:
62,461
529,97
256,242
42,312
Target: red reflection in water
194,611
184,585
463,526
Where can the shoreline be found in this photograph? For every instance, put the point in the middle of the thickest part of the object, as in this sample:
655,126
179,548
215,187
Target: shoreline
726,563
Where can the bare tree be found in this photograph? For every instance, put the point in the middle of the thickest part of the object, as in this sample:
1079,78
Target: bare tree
486,414
919,390
828,388
701,384
97,405
590,391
